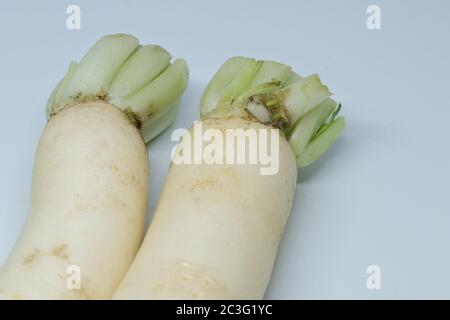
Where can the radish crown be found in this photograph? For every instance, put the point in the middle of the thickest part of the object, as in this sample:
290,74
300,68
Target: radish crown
139,80
271,93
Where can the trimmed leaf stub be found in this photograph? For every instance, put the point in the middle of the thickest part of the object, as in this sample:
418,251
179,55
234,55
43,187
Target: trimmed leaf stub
271,93
139,80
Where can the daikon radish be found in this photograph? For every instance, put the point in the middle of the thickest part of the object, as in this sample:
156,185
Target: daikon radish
89,193
218,223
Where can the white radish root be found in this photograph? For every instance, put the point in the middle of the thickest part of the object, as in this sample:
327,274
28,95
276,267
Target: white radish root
217,227
90,185
219,238
88,205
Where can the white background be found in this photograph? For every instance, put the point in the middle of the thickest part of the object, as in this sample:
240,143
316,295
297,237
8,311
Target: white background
380,196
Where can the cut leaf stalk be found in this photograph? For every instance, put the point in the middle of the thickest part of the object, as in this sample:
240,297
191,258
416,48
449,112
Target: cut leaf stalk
271,93
139,80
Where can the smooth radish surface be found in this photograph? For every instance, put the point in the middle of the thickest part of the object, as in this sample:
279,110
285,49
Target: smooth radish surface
216,229
88,205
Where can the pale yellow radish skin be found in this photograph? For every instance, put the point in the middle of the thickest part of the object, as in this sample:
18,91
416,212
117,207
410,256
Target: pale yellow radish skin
88,205
216,229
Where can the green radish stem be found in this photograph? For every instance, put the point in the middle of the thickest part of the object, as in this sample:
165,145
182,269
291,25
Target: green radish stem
270,70
309,124
139,80
141,68
303,95
159,93
271,93
157,123
231,80
320,144
294,77
97,68
56,94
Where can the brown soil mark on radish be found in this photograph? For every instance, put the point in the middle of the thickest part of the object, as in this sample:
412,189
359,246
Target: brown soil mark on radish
60,251
231,173
31,257
204,184
125,177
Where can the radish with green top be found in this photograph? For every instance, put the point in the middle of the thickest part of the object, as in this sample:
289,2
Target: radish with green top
89,193
217,226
